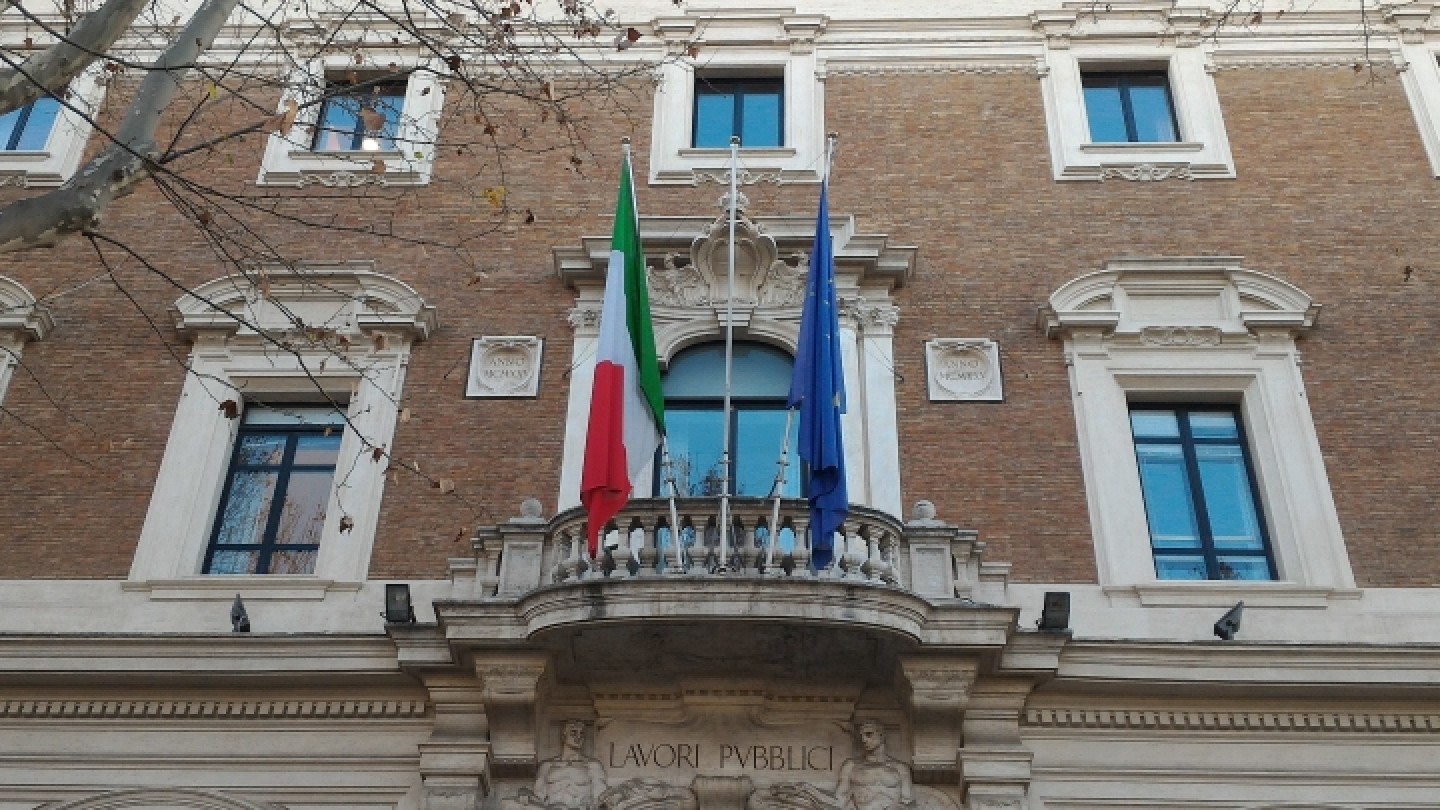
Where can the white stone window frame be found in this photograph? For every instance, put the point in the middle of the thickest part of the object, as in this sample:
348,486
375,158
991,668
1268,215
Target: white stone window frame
739,45
22,319
1196,330
65,146
380,317
1077,42
289,159
1420,73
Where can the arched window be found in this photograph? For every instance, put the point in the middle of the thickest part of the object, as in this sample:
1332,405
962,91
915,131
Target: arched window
694,419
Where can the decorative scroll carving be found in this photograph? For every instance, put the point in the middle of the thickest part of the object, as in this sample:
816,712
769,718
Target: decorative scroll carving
871,316
744,177
677,284
1180,336
783,285
341,179
584,318
1146,172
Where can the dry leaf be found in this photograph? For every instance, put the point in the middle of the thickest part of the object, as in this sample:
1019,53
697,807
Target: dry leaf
29,43
496,196
264,285
446,486
529,217
404,414
346,524
381,341
377,454
377,167
373,121
230,408
693,51
489,129
453,62
359,58
202,216
213,90
632,34
287,119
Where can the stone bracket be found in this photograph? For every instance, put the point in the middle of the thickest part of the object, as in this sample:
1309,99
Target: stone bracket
509,688
995,764
937,691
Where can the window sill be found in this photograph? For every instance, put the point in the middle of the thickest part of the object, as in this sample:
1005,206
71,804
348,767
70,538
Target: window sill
223,588
1141,146
351,155
1225,594
760,153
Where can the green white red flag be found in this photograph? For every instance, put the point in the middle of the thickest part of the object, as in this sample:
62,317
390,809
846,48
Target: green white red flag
627,407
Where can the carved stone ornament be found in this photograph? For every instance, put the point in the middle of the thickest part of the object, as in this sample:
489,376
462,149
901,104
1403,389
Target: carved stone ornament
1146,172
1180,336
504,367
963,370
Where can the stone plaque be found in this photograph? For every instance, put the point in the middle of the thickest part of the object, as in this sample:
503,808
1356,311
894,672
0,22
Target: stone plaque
504,367
964,370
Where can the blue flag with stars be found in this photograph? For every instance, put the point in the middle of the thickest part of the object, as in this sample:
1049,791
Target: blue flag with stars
818,390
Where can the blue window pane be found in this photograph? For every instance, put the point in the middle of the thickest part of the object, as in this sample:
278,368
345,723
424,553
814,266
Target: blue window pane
1150,106
757,454
38,125
695,438
1255,568
1155,424
319,449
1213,425
294,562
1107,116
234,562
714,119
303,515
1166,489
368,120
257,450
1226,486
757,371
1167,567
247,508
760,120
8,122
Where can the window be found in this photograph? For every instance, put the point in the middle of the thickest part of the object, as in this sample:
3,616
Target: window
750,108
366,119
1230,486
1129,107
282,456
28,128
42,143
694,420
373,128
259,494
1121,106
1199,493
758,78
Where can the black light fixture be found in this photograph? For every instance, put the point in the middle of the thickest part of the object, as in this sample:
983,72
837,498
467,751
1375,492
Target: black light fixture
398,609
1229,624
1055,615
239,619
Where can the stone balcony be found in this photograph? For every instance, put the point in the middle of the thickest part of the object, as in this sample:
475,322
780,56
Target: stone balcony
924,556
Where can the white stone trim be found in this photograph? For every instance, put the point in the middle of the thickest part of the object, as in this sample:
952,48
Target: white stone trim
359,329
1421,80
289,160
65,147
760,43
22,320
1236,344
1150,37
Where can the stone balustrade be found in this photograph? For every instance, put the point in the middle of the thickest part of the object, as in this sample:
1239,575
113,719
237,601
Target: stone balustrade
926,556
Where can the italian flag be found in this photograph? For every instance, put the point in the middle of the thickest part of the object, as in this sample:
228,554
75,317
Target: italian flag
627,407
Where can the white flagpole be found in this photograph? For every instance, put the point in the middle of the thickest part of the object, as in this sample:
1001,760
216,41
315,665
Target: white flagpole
779,493
725,461
668,474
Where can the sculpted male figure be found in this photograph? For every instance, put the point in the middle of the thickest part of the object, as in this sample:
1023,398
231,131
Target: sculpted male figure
874,781
571,781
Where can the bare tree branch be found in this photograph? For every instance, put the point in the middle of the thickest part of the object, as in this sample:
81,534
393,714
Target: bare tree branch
51,71
80,203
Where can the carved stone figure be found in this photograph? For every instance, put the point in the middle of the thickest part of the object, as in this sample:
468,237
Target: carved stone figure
871,781
674,285
571,781
782,285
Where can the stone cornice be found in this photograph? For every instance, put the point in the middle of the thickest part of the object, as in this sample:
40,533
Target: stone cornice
45,657
213,710
1211,720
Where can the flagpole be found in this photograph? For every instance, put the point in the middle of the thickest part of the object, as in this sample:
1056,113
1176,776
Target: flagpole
725,460
779,493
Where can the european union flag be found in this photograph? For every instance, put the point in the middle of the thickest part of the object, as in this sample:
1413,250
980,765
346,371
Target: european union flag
818,390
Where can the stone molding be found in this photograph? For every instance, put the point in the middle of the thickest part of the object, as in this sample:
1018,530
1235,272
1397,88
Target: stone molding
1226,721
212,709
143,798
989,66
